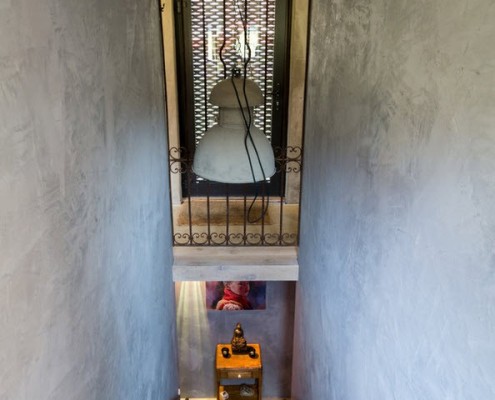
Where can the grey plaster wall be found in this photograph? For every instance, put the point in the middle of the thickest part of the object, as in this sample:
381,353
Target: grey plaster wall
397,285
86,300
200,330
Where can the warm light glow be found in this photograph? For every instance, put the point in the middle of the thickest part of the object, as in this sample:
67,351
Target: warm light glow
192,323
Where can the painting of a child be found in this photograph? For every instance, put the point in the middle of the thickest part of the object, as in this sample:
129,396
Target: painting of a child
236,295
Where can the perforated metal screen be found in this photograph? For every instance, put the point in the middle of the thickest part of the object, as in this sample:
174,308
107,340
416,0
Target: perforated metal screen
207,39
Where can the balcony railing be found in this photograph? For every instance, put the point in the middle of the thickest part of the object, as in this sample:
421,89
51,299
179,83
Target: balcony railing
236,217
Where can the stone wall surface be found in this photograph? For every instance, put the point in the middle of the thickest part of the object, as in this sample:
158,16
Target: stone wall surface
86,301
397,263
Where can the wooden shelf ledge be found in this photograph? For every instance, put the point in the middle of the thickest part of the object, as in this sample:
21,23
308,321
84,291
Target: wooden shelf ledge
248,263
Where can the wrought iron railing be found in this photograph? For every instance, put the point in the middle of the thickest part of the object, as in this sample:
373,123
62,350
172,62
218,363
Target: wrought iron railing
231,214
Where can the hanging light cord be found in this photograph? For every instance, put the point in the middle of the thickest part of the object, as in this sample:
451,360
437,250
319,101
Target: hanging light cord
248,121
223,42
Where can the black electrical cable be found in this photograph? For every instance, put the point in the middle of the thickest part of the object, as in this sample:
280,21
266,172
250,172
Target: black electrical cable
248,122
246,137
223,42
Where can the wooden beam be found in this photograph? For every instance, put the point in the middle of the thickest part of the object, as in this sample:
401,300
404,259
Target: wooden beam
235,263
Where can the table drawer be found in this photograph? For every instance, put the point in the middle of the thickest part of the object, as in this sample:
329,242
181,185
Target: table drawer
238,374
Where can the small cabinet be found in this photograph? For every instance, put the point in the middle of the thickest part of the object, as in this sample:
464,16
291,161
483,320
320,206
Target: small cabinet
239,367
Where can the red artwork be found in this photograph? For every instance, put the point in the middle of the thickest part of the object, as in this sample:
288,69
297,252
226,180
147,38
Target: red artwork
236,295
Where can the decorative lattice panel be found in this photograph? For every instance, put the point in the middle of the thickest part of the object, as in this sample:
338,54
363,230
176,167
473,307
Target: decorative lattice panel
207,39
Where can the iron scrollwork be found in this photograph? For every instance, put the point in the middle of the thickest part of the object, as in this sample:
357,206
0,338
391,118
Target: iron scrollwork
288,160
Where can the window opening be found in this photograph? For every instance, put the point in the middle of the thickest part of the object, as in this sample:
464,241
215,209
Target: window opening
200,32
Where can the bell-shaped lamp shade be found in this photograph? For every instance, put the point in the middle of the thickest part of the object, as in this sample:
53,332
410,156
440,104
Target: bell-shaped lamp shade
225,153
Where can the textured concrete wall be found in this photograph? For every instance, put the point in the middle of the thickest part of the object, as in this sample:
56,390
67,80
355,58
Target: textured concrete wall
200,330
86,299
397,287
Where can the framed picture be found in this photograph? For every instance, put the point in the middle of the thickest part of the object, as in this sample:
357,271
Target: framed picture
236,295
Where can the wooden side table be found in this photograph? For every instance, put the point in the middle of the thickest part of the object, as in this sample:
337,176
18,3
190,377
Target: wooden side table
238,367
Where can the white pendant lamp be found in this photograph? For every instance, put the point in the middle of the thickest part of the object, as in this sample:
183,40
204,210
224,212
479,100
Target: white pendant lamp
234,150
